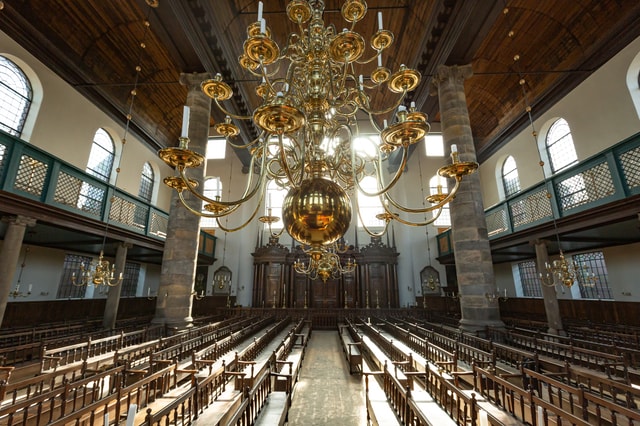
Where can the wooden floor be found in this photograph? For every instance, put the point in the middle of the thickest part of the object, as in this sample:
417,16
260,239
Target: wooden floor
326,393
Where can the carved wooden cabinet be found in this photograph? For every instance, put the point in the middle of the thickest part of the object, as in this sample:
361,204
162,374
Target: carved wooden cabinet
372,284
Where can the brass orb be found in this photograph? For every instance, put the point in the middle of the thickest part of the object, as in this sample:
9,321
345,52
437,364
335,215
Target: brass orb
316,213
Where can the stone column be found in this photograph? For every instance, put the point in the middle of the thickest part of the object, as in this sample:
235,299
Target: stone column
10,254
113,297
174,302
474,267
551,308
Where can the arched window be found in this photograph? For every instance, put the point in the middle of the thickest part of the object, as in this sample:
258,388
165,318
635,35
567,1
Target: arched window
146,182
102,155
559,144
16,95
438,185
274,199
212,189
369,206
510,179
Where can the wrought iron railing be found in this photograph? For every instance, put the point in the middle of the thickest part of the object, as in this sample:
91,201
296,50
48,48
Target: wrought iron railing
30,172
611,175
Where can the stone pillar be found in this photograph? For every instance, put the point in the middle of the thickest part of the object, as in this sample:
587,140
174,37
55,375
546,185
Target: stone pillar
474,267
10,254
113,297
551,308
174,302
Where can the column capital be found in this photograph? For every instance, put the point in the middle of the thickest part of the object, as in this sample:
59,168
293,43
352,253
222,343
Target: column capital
193,80
455,73
19,220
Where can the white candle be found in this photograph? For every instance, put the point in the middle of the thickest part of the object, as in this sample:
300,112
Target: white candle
30,287
17,288
149,292
260,11
385,123
413,105
505,292
263,26
185,122
379,61
454,148
379,21
403,108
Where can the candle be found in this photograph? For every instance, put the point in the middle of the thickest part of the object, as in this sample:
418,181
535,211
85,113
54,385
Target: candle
379,61
30,287
403,108
505,292
361,81
385,123
454,148
17,288
263,26
185,122
379,21
413,105
148,291
260,11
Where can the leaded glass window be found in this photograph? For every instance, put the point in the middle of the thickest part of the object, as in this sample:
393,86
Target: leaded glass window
510,178
529,279
102,155
560,148
146,182
15,97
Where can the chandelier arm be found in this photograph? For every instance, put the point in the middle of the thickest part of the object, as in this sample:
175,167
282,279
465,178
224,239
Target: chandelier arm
396,177
206,214
249,145
389,109
283,161
246,196
253,215
373,58
230,114
450,196
364,225
416,224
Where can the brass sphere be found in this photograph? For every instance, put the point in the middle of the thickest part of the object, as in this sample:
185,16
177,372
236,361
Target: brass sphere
316,213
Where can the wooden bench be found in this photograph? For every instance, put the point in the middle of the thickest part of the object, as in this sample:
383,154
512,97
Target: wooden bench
351,348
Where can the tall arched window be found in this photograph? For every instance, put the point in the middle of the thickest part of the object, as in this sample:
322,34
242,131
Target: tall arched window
438,185
560,148
212,188
510,179
369,206
102,155
274,199
16,95
146,182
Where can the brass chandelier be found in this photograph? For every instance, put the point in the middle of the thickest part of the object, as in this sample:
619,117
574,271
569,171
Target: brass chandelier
311,94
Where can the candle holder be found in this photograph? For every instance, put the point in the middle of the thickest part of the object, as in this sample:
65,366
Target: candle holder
494,296
197,296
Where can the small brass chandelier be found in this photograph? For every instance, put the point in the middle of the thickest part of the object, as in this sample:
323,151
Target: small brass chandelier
311,93
326,263
560,271
97,273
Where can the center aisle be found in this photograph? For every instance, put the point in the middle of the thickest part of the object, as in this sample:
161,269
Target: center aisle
326,394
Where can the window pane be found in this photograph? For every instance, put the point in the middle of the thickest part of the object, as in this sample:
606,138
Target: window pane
130,278
216,149
438,185
15,97
212,189
66,288
592,275
560,148
369,207
510,177
146,183
529,279
101,157
434,145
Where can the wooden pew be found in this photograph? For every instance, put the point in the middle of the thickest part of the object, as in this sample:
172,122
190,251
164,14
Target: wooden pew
351,348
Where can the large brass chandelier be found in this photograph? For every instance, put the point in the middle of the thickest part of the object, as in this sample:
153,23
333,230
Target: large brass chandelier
313,91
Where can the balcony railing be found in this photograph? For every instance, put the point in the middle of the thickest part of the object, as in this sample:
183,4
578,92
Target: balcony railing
30,172
611,175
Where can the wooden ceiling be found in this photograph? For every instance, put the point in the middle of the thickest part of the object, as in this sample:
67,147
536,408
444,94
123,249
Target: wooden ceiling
95,45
